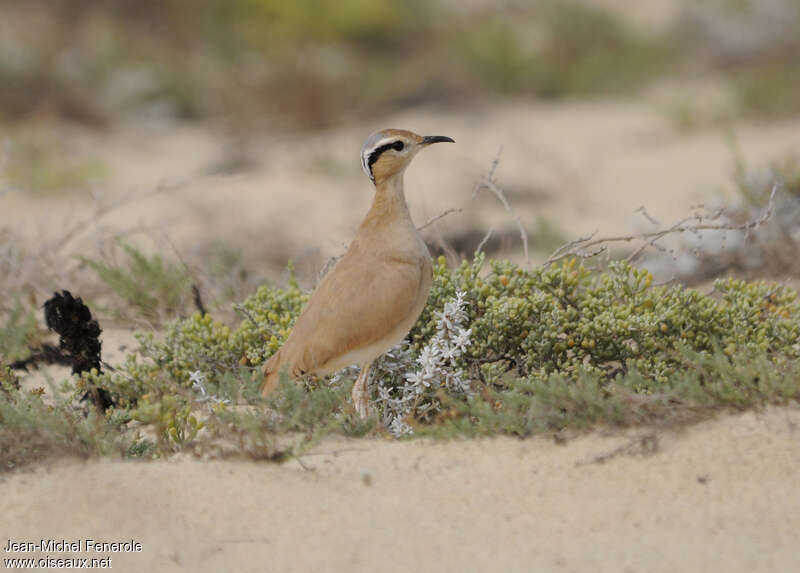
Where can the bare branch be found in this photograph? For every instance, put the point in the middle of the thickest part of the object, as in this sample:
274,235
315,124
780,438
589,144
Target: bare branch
489,183
485,240
692,224
244,312
198,300
556,255
442,215
647,216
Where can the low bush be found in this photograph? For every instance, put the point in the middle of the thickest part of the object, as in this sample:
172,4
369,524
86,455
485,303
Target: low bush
498,349
549,347
147,284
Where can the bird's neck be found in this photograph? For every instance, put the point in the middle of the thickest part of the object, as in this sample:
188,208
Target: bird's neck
389,202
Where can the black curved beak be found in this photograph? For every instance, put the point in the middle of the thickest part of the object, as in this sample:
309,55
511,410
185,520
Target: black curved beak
428,139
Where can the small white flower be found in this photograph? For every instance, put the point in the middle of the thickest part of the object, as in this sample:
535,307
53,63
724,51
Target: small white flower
198,380
197,376
400,428
408,386
461,340
384,393
428,355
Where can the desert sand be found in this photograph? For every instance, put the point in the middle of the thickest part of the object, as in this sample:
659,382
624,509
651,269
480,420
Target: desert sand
718,496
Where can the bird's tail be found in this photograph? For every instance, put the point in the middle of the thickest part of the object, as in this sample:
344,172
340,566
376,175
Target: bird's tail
272,373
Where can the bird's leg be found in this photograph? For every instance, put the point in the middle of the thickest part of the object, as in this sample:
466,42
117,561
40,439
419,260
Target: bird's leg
361,392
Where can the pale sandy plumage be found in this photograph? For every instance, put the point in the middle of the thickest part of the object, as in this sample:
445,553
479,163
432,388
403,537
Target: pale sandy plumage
370,300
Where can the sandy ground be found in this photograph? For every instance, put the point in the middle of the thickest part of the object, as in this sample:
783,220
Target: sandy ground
721,496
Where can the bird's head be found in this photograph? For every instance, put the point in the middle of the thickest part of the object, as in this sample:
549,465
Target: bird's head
389,151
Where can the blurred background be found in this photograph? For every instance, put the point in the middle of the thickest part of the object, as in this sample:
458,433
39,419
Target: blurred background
314,63
224,134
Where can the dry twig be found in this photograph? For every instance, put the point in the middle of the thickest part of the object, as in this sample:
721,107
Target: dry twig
441,215
489,183
485,240
692,224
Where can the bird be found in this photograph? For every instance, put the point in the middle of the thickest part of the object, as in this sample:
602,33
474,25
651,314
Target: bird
368,302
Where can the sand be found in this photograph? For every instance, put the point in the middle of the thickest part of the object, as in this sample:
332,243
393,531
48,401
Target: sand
718,496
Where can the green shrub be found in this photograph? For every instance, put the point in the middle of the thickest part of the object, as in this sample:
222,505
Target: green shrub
8,380
564,318
547,349
564,321
32,427
18,333
703,385
148,284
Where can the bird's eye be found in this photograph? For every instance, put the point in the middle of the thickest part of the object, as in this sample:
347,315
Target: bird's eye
398,146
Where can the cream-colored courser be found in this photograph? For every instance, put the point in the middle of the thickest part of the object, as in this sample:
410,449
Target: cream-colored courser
373,296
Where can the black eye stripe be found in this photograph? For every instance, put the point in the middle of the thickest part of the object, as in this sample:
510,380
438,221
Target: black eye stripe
376,153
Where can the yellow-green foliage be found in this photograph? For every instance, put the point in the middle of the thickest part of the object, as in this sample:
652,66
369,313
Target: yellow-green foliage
201,343
270,315
563,320
171,416
556,347
8,381
566,319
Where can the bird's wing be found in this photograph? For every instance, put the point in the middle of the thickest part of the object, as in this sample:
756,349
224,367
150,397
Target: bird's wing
359,303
